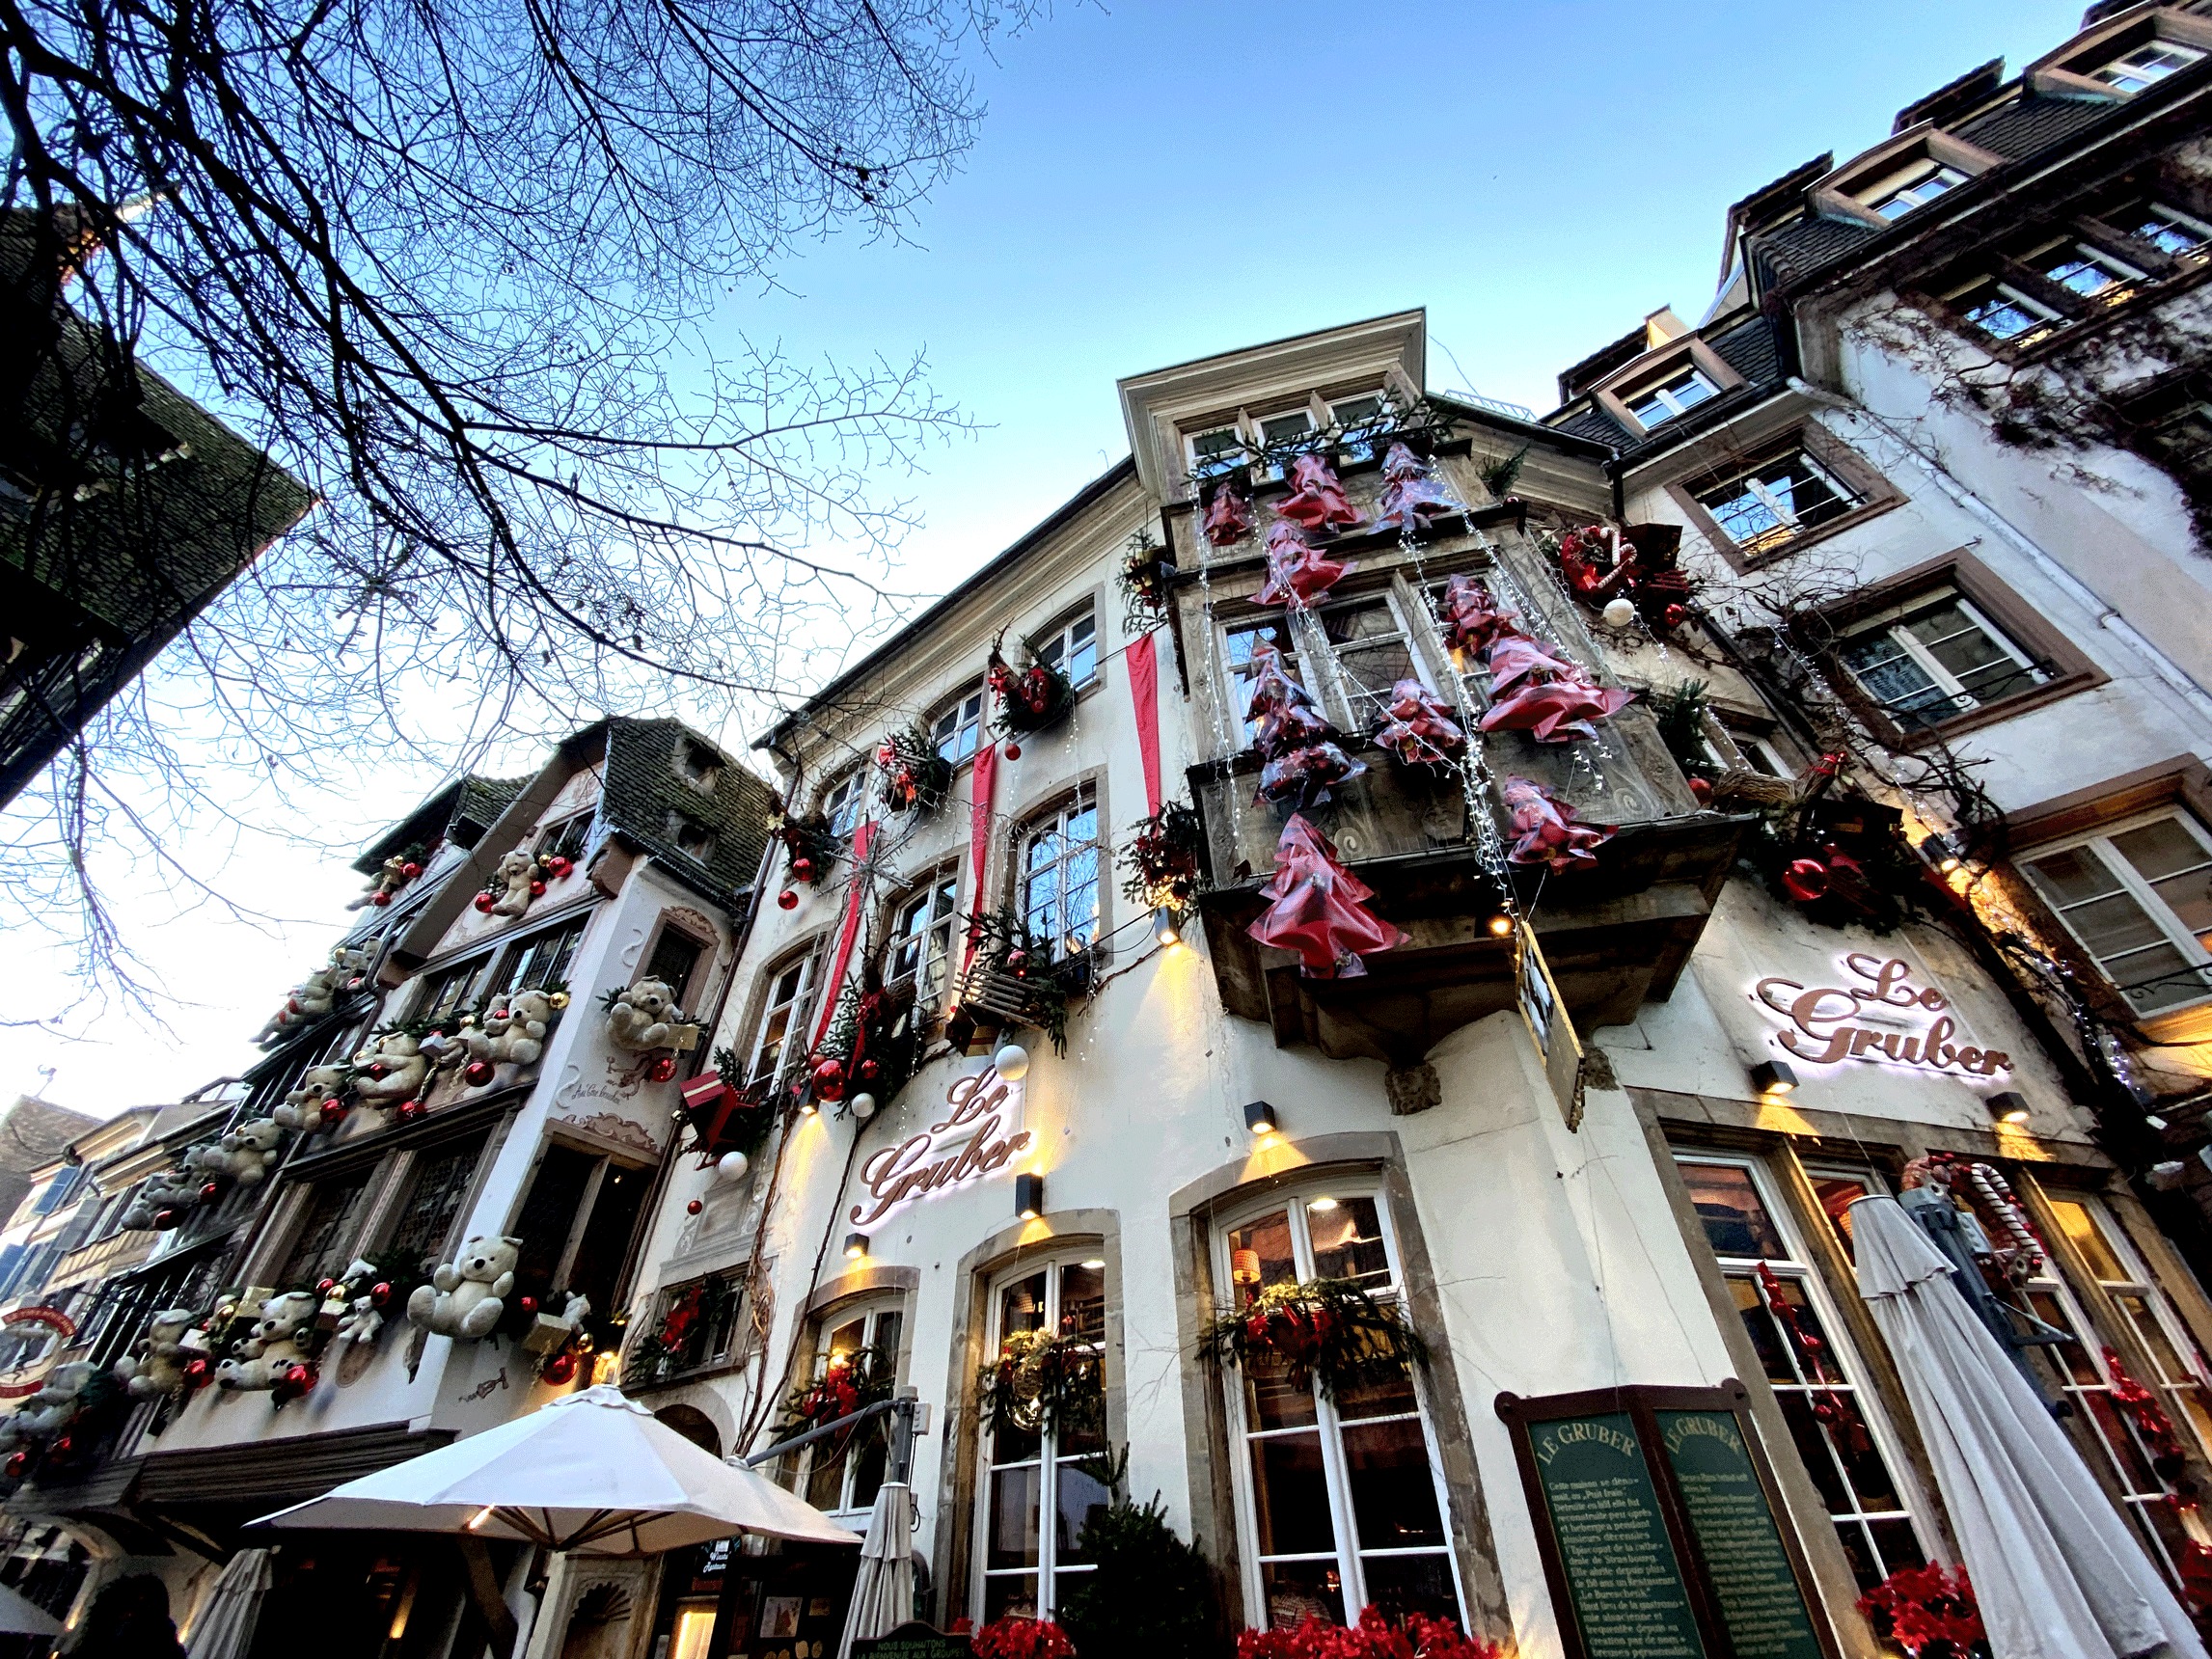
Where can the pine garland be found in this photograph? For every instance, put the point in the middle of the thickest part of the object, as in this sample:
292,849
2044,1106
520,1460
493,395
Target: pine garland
1035,700
1329,1330
1143,583
859,1377
912,775
1162,858
1005,946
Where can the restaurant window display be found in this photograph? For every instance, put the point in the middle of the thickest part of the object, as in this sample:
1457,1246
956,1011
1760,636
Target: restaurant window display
1841,1435
860,1342
723,1600
1044,1464
1340,1502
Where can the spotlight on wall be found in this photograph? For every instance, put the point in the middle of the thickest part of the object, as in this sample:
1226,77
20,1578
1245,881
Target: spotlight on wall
2010,1106
1942,852
1773,1077
1028,1196
856,1246
1260,1117
1167,925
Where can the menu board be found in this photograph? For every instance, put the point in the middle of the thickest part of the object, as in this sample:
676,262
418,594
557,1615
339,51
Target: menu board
915,1641
1753,1581
1626,1585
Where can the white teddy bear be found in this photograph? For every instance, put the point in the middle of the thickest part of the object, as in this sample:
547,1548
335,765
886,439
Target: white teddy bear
318,995
248,1150
392,1069
301,1109
256,1362
159,1368
514,873
170,1191
514,1032
466,1295
54,1407
644,1017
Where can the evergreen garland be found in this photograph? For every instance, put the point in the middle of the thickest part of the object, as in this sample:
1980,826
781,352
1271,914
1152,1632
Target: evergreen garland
1422,425
859,1377
1005,946
1035,700
1162,858
1329,1330
1143,583
1040,1382
912,775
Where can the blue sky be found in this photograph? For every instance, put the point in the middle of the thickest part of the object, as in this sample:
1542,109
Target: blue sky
1156,183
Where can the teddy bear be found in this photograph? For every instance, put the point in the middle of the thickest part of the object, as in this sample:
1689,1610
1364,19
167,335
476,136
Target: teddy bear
244,1153
549,1333
301,1109
161,1192
466,1297
258,1360
392,1069
514,1032
318,995
644,1016
55,1406
159,1366
513,875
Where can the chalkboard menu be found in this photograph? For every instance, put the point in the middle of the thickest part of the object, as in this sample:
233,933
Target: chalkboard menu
915,1641
1656,1519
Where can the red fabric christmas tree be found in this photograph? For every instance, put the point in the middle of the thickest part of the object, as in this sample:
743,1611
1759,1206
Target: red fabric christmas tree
1319,908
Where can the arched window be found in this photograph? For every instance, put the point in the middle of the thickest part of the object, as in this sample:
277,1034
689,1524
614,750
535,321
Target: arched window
787,1003
1040,1486
1339,1497
843,1472
922,927
1060,874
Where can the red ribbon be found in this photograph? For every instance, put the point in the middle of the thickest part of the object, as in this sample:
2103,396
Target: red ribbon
981,783
1144,691
855,897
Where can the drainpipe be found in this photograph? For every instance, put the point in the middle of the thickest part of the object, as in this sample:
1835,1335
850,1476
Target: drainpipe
2108,617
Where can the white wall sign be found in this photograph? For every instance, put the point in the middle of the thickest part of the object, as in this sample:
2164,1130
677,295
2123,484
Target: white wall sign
979,1137
1828,1023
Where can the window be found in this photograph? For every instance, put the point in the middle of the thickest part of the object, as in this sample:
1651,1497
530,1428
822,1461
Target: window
2113,1261
566,840
843,803
1848,1457
57,1190
1027,1564
1220,450
693,839
1934,660
842,1474
446,989
2081,269
441,1180
699,764
2171,233
922,937
576,1224
543,959
2139,899
674,960
1339,1503
2002,312
1061,875
1355,413
1373,651
2146,66
1778,500
780,1041
324,1243
1073,648
1677,395
705,1334
1896,200
959,728
1279,429
1752,750
1241,641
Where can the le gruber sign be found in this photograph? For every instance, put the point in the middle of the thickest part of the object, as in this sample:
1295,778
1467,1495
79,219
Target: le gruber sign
20,1381
1877,1019
978,1136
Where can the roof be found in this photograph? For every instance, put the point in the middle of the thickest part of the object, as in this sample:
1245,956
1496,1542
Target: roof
1577,378
36,1133
460,810
1953,98
645,785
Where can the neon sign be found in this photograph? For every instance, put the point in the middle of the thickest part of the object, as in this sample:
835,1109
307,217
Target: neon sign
1825,1021
927,1164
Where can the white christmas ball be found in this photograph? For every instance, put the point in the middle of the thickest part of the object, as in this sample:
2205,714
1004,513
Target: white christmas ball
1620,613
863,1106
730,1166
1012,1062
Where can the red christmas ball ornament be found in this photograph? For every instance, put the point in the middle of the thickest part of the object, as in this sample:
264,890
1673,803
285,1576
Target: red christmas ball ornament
802,868
561,1369
1675,615
1701,790
484,903
379,900
62,1446
379,1293
333,1107
830,1079
560,866
661,1070
209,1189
478,1072
195,1373
410,1110
1804,880
529,1306
536,888
1013,751
410,869
164,1220
17,1462
379,1071
870,1069
324,1287
694,1208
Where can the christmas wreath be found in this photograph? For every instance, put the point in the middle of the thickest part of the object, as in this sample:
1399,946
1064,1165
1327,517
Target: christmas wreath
1035,700
1143,581
1928,1612
851,1380
1162,858
1416,1636
1014,1638
1040,1382
810,844
1329,1330
912,775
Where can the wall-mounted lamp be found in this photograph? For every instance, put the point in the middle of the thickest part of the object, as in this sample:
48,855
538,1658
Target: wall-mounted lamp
1167,925
1773,1077
1260,1117
1500,925
1028,1196
856,1246
2010,1106
1942,852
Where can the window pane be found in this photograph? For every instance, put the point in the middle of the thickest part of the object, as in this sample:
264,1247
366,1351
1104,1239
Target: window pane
1271,1400
1347,1237
1388,1396
1282,428
325,1241
1022,1305
2070,877
1296,1588
442,1178
1015,1509
1083,1302
1734,1217
2178,869
1393,1491
1400,1585
1896,680
1837,1194
2085,1235
1978,662
1260,1255
1758,1325
1291,1495
1081,1496
1014,1596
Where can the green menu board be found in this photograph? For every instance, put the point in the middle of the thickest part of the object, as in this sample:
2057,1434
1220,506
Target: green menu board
1624,1578
1753,1581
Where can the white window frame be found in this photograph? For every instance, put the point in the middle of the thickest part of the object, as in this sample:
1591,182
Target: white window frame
2120,274
2130,74
1296,1201
2132,883
931,970
1665,392
2041,315
804,995
1885,198
869,1311
1788,527
1890,623
1798,1270
2154,211
845,803
1236,677
1057,646
965,710
1353,453
1053,820
1048,1569
1218,466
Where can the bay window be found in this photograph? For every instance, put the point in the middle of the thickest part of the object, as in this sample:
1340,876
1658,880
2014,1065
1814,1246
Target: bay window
2137,898
1340,1495
1042,1486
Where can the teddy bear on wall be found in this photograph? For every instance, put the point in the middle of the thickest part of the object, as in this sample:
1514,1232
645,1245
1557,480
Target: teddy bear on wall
644,1017
159,1368
260,1359
466,1297
318,995
513,1033
244,1153
301,1109
392,1069
512,879
55,1406
168,1192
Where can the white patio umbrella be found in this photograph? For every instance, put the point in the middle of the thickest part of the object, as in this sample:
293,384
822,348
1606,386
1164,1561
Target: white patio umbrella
224,1628
19,1616
2057,1572
594,1473
883,1592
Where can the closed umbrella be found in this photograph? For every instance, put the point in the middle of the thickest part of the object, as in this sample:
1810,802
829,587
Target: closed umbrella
595,1471
2057,1572
883,1592
224,1628
19,1616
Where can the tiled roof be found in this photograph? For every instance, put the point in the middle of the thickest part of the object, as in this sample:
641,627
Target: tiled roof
1808,243
645,784
1750,350
2029,125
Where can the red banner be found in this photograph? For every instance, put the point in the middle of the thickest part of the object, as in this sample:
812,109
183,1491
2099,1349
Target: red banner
981,781
1144,691
856,898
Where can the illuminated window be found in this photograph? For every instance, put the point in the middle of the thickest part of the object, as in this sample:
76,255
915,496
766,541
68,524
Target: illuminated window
843,1472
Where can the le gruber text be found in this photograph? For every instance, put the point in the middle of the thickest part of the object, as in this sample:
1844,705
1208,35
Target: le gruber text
913,1168
1824,1021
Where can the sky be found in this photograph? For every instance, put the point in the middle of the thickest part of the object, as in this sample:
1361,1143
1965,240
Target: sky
1155,182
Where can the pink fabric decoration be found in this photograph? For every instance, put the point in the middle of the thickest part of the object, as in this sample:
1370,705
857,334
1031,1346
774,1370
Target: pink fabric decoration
1513,657
1420,730
1296,568
1272,687
1547,831
1144,661
1411,496
1472,617
1319,908
1306,775
856,896
1228,516
1556,711
1316,499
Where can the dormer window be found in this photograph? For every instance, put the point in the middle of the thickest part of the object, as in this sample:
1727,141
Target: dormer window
693,839
1896,198
1680,392
2144,67
699,764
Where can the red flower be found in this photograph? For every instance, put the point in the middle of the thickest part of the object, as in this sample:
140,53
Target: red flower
1022,1639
